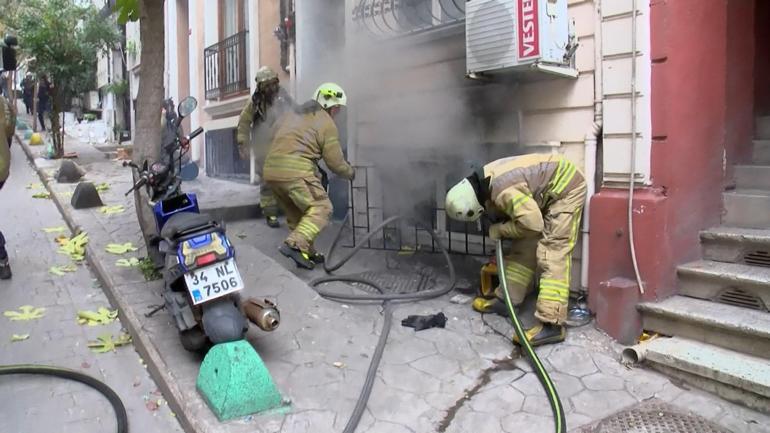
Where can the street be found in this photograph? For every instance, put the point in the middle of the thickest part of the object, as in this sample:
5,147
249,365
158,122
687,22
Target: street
37,404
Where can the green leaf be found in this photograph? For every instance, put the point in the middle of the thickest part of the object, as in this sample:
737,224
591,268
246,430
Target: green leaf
104,186
35,186
59,229
102,316
26,312
108,343
62,270
74,247
41,195
111,210
128,263
120,248
19,337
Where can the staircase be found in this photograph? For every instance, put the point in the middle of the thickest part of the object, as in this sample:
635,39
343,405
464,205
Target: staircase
720,321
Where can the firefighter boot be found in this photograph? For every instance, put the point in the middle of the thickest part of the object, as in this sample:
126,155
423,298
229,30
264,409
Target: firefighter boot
486,305
301,258
543,333
5,269
272,222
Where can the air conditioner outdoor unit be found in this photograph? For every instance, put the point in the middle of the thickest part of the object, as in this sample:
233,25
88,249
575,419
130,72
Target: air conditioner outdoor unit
515,35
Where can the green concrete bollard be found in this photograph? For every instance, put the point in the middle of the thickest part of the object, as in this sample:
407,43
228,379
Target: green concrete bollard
235,382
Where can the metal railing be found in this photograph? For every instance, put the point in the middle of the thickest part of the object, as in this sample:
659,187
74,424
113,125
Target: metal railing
226,65
387,18
369,208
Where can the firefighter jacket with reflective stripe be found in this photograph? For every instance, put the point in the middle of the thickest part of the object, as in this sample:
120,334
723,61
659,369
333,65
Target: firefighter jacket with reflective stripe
522,187
301,140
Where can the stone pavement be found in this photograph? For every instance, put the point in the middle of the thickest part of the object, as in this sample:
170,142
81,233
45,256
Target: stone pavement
321,351
31,403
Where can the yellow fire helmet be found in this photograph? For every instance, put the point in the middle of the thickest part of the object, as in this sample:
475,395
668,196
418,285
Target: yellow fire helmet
462,203
330,95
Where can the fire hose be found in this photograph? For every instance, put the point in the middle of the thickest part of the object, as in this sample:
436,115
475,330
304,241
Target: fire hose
106,391
388,298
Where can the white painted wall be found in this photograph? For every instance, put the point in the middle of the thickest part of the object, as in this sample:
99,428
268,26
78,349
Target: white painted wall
616,73
172,57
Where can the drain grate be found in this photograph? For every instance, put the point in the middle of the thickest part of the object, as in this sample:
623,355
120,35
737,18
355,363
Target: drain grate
396,282
656,417
741,298
758,258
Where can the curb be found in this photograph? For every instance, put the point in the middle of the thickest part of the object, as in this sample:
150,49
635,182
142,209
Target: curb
155,365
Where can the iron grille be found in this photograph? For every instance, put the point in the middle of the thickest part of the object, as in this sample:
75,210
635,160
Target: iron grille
222,158
741,298
758,258
225,67
399,17
369,208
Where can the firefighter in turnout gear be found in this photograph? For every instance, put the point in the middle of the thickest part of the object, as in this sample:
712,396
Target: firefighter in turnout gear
536,201
255,132
303,138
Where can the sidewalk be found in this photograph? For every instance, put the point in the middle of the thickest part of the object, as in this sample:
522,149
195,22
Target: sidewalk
28,403
319,355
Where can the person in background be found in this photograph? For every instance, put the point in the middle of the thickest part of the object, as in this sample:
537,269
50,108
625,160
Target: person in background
255,131
28,91
43,100
536,201
305,136
7,128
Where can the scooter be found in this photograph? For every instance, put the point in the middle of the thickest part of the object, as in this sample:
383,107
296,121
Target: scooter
201,278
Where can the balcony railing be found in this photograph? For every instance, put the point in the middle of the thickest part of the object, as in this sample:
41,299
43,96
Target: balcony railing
225,67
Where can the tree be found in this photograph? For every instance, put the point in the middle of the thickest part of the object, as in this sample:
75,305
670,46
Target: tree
150,15
65,37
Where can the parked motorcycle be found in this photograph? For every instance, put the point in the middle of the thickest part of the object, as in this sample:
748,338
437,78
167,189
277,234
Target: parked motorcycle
201,277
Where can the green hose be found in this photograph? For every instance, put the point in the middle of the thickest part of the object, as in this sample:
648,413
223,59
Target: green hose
106,391
553,397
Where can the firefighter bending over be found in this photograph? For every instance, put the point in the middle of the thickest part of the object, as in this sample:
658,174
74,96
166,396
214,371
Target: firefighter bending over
536,201
255,132
303,138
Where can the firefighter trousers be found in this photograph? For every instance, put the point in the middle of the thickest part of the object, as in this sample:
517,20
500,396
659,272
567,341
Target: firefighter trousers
307,208
267,201
551,255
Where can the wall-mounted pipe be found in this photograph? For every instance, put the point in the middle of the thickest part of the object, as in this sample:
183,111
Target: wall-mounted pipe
634,354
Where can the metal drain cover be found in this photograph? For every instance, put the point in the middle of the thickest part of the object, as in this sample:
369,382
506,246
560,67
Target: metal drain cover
655,417
397,282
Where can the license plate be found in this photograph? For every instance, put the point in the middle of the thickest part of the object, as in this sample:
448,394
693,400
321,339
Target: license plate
215,281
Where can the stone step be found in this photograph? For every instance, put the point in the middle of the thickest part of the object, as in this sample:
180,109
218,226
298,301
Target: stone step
740,329
761,152
762,127
736,245
729,283
752,177
748,208
734,376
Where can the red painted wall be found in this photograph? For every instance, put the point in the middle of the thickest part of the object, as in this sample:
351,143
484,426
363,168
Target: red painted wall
702,70
762,65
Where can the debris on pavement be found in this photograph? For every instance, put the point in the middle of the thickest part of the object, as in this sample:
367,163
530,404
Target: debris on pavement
425,322
102,316
41,195
128,263
104,186
60,271
460,299
111,210
74,247
108,343
339,364
120,249
19,337
26,312
59,229
35,186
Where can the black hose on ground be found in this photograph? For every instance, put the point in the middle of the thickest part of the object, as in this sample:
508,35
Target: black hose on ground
385,298
106,391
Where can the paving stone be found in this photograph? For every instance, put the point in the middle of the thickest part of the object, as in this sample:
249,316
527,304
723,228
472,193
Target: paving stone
670,392
644,385
496,401
572,360
537,405
599,404
505,377
566,385
392,405
388,427
603,382
405,352
701,404
409,379
310,421
437,366
576,420
526,422
529,385
467,421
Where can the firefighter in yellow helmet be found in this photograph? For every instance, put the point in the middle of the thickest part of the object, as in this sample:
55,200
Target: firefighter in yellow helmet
303,138
536,201
256,126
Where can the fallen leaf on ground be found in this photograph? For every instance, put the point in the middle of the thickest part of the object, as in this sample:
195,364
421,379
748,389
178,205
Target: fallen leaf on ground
127,263
102,316
74,247
59,229
19,337
26,312
108,343
61,270
104,186
35,186
66,193
41,195
111,210
120,248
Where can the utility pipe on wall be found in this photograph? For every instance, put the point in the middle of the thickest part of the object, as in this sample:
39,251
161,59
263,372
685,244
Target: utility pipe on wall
591,140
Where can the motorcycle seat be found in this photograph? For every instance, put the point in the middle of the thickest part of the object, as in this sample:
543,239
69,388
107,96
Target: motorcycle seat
185,222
